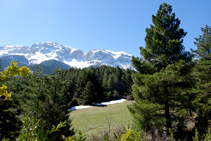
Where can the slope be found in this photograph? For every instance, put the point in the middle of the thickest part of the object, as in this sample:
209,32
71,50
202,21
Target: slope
49,66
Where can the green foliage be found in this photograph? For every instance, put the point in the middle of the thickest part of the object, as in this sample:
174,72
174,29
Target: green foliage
12,70
207,136
10,122
196,137
203,44
79,137
29,91
63,89
163,82
89,93
203,75
163,43
94,85
157,94
33,129
55,106
132,135
52,92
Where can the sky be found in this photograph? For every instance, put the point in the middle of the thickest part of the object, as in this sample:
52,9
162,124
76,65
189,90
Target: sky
117,25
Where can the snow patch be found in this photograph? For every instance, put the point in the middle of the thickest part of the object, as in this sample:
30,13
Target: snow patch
77,64
98,104
111,102
79,107
38,58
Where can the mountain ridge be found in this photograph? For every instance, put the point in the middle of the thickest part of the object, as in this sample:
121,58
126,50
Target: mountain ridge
45,51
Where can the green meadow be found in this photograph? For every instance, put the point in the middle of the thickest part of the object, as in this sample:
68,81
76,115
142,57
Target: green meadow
97,119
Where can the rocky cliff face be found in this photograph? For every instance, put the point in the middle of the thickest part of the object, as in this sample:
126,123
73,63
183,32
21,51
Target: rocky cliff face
46,51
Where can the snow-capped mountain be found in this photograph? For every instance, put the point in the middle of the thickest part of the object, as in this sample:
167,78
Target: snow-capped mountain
46,51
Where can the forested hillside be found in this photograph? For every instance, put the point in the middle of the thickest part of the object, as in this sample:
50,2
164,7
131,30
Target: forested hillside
58,92
83,86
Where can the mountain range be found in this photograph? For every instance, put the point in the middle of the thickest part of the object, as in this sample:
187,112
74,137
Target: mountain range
53,54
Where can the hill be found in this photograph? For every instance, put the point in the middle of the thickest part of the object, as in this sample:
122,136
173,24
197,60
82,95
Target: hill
49,66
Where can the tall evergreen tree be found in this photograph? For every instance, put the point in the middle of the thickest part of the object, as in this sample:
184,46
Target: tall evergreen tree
32,91
10,123
203,73
161,73
163,43
55,107
89,93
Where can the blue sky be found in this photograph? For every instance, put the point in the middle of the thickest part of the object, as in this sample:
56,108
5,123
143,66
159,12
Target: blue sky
117,25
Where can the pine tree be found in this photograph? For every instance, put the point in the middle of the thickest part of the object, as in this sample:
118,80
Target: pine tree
32,91
89,93
128,82
55,107
203,44
203,72
163,74
163,43
10,122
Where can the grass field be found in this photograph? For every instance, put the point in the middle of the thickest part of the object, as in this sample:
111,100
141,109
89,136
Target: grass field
96,119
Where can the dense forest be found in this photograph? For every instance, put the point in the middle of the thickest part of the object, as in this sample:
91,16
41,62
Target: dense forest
58,92
170,87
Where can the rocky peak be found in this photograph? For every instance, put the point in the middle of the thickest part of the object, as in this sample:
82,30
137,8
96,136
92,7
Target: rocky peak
45,51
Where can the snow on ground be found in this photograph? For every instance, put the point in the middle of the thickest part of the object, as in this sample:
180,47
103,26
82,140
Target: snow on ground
110,102
79,107
98,104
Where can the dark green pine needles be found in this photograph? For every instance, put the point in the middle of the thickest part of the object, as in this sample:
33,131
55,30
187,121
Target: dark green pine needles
163,78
